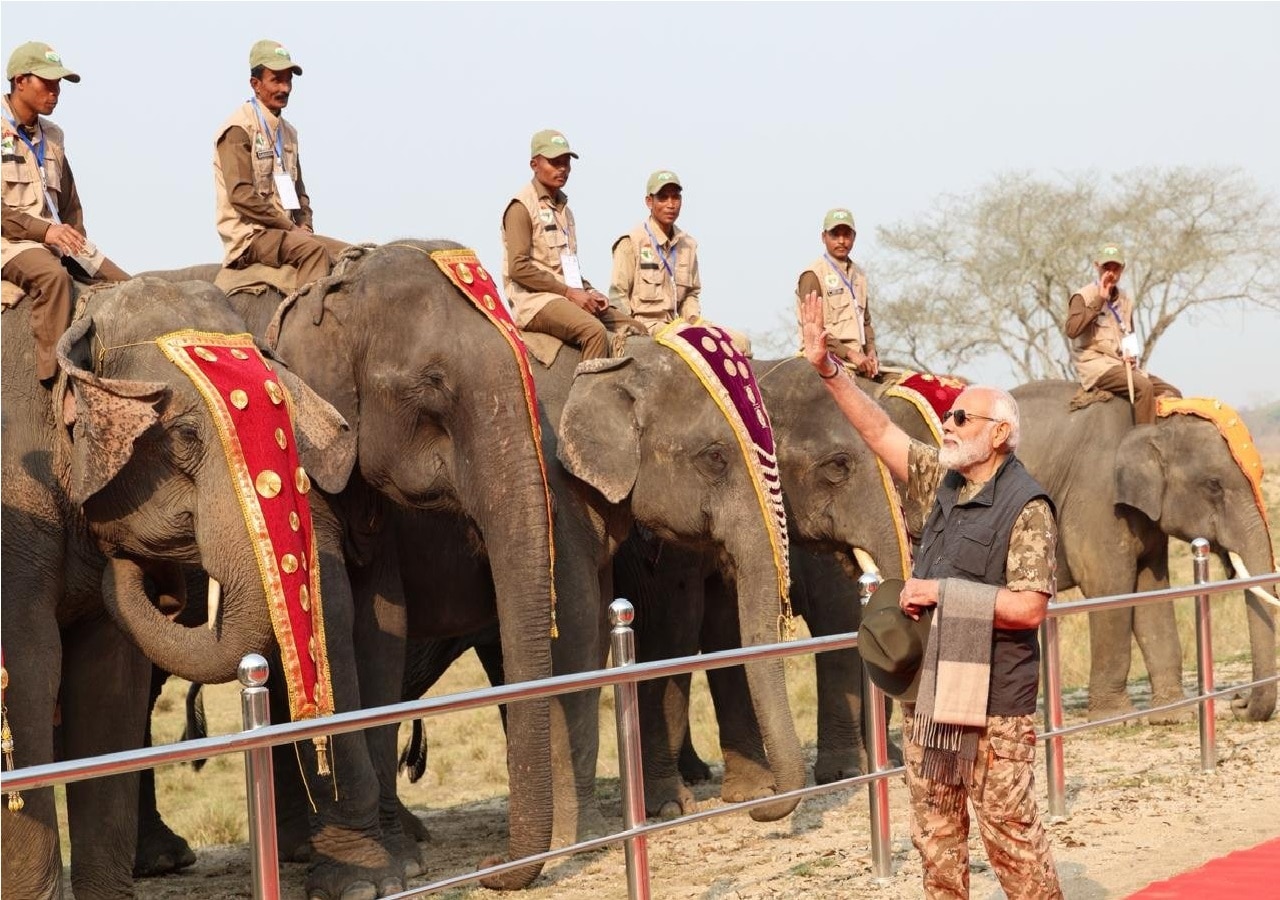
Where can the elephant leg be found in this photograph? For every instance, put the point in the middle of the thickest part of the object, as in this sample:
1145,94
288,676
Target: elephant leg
160,851
1110,636
104,710
664,723
842,752
575,718
380,631
747,775
30,859
1156,630
693,769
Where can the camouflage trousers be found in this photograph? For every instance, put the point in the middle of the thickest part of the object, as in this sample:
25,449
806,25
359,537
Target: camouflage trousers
1004,803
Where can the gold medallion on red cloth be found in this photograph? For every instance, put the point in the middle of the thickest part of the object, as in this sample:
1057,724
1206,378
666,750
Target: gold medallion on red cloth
477,285
254,416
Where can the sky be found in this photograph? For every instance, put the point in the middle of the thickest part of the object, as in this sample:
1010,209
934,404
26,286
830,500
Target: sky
415,121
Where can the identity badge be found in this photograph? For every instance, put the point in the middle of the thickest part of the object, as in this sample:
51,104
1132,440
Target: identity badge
286,191
572,272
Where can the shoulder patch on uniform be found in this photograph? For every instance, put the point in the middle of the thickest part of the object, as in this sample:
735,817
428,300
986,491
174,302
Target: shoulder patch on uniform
832,280
546,216
646,254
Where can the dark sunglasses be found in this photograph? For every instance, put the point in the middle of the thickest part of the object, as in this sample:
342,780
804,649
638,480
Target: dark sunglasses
961,417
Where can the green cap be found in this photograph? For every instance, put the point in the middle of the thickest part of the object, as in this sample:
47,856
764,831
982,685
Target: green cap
550,143
1110,253
274,56
660,179
36,58
836,217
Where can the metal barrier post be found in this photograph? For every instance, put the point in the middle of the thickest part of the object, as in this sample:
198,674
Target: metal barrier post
1204,658
876,740
626,708
1054,770
259,781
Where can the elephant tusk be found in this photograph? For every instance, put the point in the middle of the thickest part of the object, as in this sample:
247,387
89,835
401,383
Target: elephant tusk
215,604
1242,571
864,560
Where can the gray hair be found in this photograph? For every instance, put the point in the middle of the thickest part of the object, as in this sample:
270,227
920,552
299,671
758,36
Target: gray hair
1005,409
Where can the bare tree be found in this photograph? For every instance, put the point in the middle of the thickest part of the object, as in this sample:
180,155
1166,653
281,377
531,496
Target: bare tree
992,272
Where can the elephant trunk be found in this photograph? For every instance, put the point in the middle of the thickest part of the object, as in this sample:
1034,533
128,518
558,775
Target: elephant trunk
197,654
1262,629
759,610
517,535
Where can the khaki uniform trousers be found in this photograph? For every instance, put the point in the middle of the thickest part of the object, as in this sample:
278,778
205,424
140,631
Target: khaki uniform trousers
1146,388
311,254
46,280
564,319
1003,797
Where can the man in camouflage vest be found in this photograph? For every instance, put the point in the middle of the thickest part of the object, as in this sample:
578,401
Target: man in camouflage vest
264,213
987,529
44,242
1104,347
842,285
541,273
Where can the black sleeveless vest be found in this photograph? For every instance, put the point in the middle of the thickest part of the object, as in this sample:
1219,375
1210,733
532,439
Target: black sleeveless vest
971,541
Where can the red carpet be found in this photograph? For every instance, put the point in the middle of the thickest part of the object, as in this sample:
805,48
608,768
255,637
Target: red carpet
1251,874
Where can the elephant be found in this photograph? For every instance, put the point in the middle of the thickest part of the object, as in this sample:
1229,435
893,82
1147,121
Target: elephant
439,423
1121,492
841,516
109,487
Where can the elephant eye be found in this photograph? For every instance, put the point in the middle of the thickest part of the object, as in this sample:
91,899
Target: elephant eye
836,468
1214,486
185,446
713,462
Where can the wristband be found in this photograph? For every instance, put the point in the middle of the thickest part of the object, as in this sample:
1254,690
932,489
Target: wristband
834,372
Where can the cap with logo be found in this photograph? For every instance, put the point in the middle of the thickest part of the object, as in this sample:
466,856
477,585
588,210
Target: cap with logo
272,55
836,217
550,143
37,58
892,643
660,179
1110,253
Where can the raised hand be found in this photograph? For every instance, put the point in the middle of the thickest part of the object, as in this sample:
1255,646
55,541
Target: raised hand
813,331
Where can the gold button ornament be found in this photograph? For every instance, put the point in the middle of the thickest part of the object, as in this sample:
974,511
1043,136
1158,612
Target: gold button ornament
289,563
294,522
239,354
274,392
239,399
268,484
206,354
301,481
304,598
281,441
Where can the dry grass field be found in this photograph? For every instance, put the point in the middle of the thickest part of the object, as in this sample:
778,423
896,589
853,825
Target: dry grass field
467,770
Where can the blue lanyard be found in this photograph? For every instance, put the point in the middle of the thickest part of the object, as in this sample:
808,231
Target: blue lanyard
38,152
279,135
853,295
1112,307
668,262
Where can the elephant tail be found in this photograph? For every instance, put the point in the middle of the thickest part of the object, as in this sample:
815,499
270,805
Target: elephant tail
414,756
196,726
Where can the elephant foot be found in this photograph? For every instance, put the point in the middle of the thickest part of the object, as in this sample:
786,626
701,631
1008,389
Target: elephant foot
1259,706
746,778
1179,716
329,879
404,850
583,824
669,801
1099,709
692,768
412,826
837,765
160,851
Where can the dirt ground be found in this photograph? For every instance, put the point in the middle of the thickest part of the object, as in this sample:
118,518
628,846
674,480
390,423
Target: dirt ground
1139,810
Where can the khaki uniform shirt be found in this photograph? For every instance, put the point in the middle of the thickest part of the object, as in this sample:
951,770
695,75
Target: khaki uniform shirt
533,273
244,165
27,215
1096,329
847,318
1033,543
642,287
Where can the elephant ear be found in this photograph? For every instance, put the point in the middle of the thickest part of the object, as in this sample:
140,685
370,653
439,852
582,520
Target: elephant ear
108,415
326,443
1139,472
599,434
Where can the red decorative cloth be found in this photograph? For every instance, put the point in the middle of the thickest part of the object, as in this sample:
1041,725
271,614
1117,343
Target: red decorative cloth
254,416
940,391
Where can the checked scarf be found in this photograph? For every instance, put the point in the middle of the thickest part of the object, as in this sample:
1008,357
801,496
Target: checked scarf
951,707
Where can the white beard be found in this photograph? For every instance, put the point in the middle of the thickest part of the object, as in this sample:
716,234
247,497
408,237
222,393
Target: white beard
966,453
